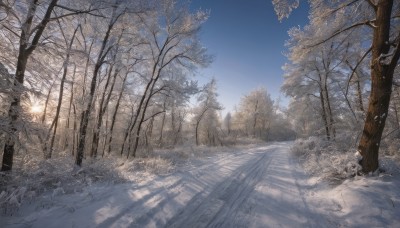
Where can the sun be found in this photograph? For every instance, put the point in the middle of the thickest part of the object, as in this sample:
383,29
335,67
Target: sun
35,109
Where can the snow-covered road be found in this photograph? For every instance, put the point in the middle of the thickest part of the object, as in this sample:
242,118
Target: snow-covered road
260,186
261,190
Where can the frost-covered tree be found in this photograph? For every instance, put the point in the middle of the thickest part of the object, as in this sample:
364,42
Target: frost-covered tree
175,96
228,123
172,33
377,21
321,74
206,119
305,116
25,29
255,114
105,75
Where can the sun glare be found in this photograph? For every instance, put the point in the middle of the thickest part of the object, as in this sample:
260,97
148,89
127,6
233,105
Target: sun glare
36,109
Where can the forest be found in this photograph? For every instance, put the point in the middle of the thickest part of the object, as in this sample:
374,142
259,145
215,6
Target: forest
101,84
102,79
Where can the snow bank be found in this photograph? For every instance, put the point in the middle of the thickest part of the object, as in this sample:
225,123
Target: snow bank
338,194
371,201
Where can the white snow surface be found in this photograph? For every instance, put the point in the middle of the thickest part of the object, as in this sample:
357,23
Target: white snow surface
259,186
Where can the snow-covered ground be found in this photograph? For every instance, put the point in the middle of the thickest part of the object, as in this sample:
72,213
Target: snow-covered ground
260,186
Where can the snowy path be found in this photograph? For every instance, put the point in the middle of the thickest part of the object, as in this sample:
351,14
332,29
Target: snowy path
260,191
255,187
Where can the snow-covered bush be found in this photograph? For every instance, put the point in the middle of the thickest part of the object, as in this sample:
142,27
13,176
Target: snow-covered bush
11,199
58,176
157,165
326,159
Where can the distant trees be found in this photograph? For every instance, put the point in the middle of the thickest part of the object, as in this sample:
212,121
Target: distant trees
228,123
257,117
255,114
206,119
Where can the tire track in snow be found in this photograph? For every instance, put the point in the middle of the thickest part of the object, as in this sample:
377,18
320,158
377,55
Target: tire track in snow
222,207
279,199
158,213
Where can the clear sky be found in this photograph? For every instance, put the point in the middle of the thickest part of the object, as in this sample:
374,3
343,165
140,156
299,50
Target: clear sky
247,41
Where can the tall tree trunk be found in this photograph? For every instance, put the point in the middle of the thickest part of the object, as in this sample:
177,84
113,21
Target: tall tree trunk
359,100
198,124
105,99
197,133
149,132
13,114
141,120
114,116
48,151
71,99
86,113
138,111
85,74
160,139
179,131
47,102
106,134
329,109
381,88
323,113
323,108
103,107
74,139
397,111
396,115
128,130
255,118
96,129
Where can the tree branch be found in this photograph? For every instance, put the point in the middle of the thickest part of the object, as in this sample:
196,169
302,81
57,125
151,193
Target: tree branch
41,26
355,68
372,4
16,34
343,6
313,95
76,11
368,23
155,114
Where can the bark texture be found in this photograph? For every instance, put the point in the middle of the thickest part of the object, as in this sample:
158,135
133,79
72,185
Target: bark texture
381,87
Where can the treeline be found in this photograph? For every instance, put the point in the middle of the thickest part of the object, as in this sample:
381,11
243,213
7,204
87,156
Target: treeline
113,78
255,117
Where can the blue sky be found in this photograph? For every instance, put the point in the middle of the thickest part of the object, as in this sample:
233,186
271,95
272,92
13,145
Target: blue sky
247,41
